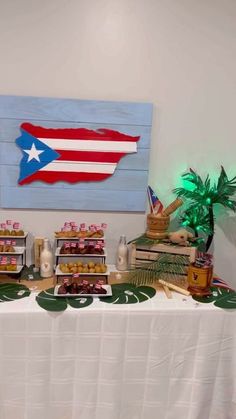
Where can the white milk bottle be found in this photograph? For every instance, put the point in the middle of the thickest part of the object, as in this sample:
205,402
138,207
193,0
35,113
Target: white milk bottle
122,255
46,260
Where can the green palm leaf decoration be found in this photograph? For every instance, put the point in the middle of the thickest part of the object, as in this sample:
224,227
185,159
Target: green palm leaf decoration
197,218
48,301
221,297
224,189
228,302
11,292
217,293
143,240
166,266
129,294
199,215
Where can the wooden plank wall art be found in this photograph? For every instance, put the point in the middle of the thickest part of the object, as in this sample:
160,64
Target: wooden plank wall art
74,154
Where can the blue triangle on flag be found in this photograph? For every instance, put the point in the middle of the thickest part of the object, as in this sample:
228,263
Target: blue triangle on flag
36,154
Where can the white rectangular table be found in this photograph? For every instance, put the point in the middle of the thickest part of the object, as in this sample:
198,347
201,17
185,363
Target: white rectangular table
166,359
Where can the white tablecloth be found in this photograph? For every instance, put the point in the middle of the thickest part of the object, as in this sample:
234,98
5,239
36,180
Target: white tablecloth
161,359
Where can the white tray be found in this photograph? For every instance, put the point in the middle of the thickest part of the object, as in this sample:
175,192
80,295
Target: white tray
18,251
15,237
57,253
59,272
107,287
18,270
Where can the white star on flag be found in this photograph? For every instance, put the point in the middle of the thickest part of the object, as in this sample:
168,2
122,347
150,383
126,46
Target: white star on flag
33,153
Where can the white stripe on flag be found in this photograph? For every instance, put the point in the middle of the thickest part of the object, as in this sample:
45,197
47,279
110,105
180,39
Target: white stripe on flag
88,145
86,167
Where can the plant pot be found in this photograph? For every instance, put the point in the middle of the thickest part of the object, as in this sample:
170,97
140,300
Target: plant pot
200,280
157,226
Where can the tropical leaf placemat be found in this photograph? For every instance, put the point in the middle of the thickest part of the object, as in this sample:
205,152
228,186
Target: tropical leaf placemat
11,292
29,274
221,297
48,301
121,294
127,293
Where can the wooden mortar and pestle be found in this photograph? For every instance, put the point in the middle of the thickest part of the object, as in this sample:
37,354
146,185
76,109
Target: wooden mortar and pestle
157,224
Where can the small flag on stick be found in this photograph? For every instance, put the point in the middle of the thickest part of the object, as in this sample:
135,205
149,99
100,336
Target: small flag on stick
155,204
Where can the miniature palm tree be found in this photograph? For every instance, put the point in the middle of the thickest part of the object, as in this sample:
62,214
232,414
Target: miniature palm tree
199,215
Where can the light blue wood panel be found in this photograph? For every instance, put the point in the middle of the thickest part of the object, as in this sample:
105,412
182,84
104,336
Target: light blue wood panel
10,129
68,200
74,110
121,180
11,154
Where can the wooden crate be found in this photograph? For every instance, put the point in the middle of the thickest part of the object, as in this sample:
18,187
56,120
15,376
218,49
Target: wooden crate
143,254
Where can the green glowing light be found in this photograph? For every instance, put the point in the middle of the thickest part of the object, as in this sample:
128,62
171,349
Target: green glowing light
189,186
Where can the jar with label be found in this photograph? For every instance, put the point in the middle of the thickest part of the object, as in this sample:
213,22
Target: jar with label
122,255
46,260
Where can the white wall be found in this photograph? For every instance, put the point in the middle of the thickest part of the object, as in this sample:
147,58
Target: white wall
178,54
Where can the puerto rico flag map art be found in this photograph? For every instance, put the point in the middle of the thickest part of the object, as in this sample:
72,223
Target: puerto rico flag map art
71,155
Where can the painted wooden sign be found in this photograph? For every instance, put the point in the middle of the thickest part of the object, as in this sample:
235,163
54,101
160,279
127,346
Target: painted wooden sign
122,180
71,155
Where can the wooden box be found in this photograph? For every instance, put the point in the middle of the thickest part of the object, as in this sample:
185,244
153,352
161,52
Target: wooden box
144,254
141,254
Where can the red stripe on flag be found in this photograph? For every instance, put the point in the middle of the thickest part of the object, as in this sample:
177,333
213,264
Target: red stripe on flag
77,133
70,177
90,156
